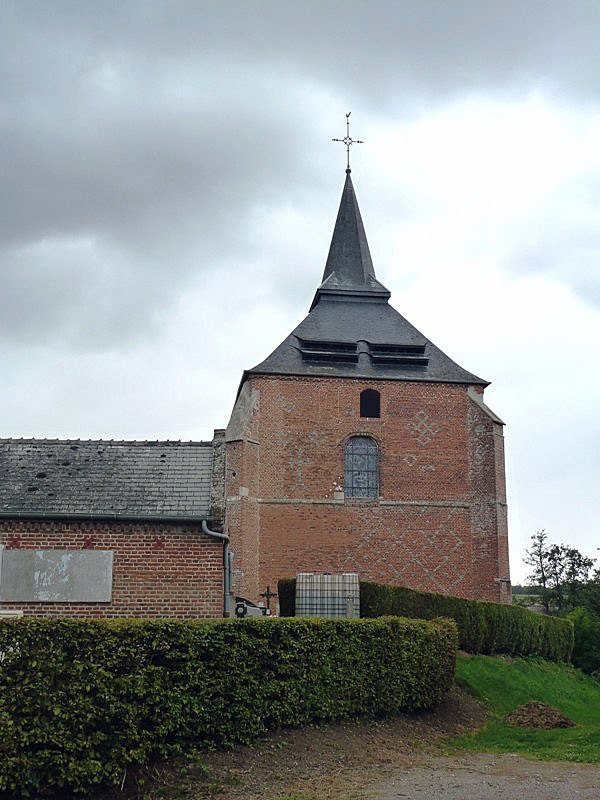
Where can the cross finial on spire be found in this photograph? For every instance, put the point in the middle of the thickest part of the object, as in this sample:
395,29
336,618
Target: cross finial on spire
348,140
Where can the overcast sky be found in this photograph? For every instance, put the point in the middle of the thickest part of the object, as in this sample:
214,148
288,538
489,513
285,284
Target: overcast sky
169,188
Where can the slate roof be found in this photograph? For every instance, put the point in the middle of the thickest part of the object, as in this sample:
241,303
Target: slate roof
376,330
351,330
105,478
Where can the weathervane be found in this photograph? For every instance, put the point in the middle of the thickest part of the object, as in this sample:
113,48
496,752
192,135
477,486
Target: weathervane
348,140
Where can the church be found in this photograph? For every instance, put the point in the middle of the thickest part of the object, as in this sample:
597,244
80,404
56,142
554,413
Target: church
357,445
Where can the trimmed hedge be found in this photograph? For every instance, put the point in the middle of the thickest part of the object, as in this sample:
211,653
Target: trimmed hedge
82,700
483,627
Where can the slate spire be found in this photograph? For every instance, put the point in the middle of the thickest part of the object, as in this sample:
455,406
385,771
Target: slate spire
349,268
349,257
351,330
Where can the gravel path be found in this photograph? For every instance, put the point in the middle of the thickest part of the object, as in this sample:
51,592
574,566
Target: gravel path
394,759
483,776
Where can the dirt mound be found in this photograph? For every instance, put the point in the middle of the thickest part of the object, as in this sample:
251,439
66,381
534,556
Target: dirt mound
538,715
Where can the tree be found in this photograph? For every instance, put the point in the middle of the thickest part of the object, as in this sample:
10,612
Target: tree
561,572
577,576
586,651
591,594
537,558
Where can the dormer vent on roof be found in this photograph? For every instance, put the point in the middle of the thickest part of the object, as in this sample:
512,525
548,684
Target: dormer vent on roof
319,351
400,354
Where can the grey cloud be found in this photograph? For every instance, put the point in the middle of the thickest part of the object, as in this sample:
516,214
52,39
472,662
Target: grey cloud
571,256
563,240
147,187
143,168
374,49
58,292
150,131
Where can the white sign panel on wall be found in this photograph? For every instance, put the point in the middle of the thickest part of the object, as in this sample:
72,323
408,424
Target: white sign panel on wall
56,576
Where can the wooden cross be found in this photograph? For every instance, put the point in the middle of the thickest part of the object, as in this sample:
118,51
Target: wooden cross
268,595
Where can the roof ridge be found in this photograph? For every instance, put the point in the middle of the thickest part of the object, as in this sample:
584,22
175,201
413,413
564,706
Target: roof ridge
133,442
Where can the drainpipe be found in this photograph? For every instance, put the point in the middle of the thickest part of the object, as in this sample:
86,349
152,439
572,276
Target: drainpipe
227,566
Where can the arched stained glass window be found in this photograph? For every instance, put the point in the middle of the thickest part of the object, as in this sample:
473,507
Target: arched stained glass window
361,467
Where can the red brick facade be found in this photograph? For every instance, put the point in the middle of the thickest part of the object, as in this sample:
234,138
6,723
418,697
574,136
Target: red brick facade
158,570
439,523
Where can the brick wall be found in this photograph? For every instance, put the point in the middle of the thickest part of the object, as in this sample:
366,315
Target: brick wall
437,523
488,504
158,570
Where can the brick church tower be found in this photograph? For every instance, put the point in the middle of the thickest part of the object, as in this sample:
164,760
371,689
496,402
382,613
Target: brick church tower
359,446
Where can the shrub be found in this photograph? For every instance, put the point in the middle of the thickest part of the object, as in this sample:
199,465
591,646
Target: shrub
586,651
82,700
483,627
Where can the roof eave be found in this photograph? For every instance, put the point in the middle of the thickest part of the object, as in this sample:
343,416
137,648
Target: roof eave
253,373
106,516
351,292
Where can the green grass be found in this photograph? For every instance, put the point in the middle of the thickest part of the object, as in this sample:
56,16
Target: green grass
505,684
